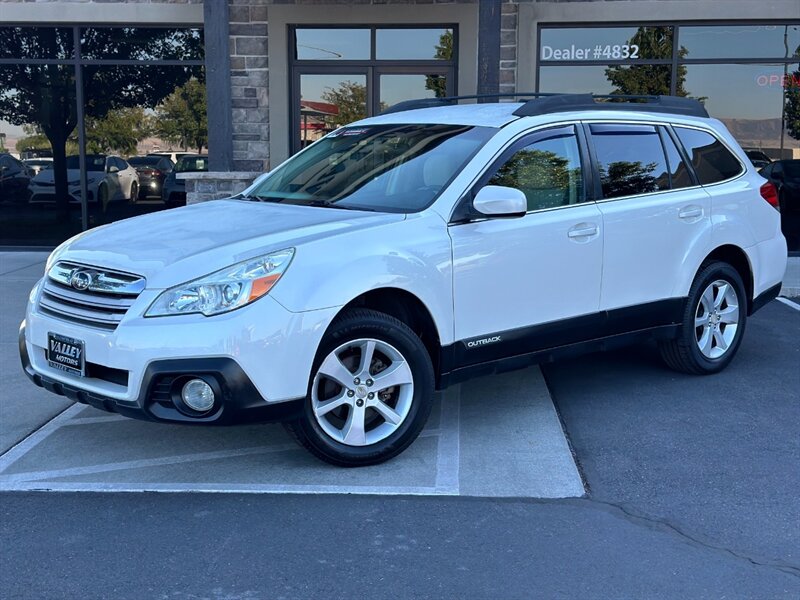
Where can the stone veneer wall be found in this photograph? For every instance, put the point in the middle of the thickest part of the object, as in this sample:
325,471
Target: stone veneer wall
201,187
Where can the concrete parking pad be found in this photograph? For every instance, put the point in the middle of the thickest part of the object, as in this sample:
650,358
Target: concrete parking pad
499,436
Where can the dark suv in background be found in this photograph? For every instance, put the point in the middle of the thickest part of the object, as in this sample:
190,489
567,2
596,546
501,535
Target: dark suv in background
174,192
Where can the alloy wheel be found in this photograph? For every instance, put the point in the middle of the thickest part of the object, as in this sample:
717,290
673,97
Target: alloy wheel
362,392
716,319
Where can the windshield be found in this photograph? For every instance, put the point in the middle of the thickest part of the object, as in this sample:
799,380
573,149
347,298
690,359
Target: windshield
192,163
387,168
94,162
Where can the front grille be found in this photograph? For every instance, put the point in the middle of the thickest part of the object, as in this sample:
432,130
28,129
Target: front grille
89,295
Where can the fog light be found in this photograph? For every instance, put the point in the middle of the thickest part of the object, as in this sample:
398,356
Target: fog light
198,395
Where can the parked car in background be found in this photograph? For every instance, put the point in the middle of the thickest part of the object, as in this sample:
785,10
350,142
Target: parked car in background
38,164
758,158
15,176
785,175
173,156
174,188
152,171
108,178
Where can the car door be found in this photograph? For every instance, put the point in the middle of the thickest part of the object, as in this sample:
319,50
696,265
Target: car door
519,282
656,217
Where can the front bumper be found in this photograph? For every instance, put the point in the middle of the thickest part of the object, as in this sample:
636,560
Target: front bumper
259,356
238,401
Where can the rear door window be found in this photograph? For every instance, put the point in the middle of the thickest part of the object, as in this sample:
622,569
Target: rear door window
711,160
630,159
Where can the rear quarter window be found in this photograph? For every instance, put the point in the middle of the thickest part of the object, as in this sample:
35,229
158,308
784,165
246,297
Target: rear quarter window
711,160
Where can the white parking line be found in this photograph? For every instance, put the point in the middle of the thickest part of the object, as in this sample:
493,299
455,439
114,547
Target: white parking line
448,459
788,302
38,436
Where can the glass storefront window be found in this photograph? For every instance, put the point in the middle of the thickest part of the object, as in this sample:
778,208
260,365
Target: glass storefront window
606,79
129,110
397,88
414,44
36,42
332,44
749,99
740,41
630,44
142,43
328,102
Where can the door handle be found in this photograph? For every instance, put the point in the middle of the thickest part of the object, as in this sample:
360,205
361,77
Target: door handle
582,230
690,212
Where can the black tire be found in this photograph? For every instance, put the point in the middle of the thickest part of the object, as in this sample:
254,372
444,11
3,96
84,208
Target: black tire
354,325
683,353
134,192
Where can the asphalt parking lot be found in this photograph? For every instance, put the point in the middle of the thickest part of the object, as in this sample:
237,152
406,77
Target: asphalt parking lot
691,491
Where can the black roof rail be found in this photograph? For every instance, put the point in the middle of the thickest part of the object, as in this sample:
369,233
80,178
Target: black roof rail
450,100
675,105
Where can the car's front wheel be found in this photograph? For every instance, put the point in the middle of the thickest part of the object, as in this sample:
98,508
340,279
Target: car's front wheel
370,393
713,322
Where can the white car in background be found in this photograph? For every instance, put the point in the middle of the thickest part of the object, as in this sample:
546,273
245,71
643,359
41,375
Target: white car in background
38,164
108,179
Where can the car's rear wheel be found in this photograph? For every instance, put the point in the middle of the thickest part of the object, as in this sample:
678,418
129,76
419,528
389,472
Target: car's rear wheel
713,322
134,192
370,393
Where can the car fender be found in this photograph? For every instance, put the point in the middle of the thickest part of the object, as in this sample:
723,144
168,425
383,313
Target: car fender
413,255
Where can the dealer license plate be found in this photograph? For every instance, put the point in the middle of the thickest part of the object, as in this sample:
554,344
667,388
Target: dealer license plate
66,353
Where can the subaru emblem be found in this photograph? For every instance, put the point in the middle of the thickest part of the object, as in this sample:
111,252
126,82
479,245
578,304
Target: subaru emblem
80,280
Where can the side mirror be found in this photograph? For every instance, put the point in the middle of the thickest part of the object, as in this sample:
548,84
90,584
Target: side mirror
113,169
500,201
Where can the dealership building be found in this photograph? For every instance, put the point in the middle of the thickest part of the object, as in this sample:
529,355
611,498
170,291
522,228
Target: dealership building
280,74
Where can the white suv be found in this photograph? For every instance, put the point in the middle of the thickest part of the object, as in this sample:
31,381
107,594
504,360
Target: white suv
408,252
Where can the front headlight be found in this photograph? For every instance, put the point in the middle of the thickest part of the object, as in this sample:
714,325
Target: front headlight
225,290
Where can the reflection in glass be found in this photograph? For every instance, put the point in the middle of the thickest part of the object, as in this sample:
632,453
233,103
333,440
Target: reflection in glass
386,168
630,159
606,43
142,43
397,88
38,117
328,102
614,79
332,44
548,172
741,41
134,110
750,100
414,44
36,42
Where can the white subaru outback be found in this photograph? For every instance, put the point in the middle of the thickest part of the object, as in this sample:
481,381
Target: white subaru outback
408,252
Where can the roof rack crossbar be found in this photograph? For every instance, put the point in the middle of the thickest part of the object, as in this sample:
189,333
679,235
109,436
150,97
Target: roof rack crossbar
646,103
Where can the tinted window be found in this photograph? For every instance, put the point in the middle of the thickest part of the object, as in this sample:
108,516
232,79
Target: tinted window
414,44
711,160
548,171
332,44
630,160
138,161
94,162
678,171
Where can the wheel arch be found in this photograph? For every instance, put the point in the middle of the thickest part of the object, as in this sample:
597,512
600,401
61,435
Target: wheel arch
738,259
406,307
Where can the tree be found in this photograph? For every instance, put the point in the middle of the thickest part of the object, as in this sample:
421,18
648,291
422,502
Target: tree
791,107
119,131
653,42
350,98
444,51
43,95
182,119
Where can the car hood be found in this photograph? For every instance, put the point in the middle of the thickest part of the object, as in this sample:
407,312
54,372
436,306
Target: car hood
173,246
